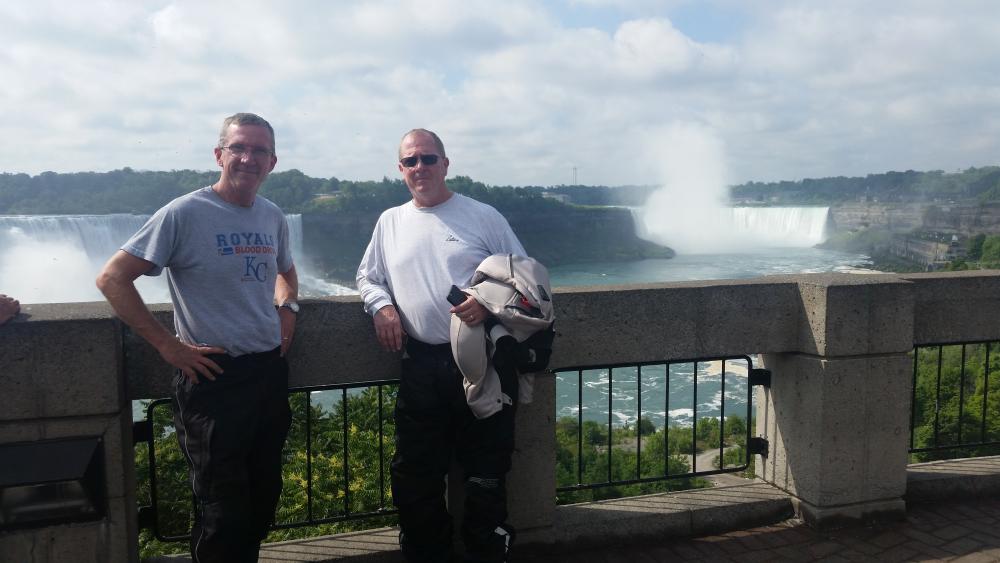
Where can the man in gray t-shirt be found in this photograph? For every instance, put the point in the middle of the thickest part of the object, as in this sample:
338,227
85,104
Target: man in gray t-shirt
233,286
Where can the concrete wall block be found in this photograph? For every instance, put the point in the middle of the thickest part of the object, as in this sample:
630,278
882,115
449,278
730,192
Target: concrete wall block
793,463
747,319
869,319
84,542
867,513
837,428
531,483
956,306
117,450
583,318
843,455
850,315
888,392
692,320
335,343
812,324
60,369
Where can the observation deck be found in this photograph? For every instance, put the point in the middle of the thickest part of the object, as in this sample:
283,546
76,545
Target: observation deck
837,417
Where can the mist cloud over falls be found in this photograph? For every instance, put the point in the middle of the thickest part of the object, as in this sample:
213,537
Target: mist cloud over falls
690,211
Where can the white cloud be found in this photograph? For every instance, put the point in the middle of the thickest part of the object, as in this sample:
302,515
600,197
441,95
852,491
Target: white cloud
519,94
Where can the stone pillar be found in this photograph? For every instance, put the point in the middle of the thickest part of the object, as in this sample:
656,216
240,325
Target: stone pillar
60,371
838,410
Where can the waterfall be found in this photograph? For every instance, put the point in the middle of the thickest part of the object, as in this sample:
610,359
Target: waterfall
719,229
55,258
781,226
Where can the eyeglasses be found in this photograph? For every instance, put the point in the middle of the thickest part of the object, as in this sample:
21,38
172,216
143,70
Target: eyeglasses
241,150
425,159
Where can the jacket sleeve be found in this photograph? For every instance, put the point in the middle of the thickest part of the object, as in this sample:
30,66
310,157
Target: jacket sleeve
372,277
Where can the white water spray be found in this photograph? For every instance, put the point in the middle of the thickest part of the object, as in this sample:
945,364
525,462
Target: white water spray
690,214
55,258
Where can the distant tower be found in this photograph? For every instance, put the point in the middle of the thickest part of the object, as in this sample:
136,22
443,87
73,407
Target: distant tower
574,175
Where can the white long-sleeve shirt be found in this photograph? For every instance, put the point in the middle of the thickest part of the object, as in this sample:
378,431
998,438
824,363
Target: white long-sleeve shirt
417,253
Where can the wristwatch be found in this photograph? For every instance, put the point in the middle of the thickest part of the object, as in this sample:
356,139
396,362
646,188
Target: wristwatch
291,306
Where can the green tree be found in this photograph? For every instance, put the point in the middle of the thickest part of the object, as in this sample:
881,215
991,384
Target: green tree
974,246
990,257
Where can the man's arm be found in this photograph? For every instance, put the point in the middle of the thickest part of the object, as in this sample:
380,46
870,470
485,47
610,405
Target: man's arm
377,298
286,288
117,282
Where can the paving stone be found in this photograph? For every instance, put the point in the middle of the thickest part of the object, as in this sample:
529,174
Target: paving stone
630,555
989,538
859,557
760,557
923,537
931,552
709,549
962,546
898,553
888,539
864,547
949,512
732,546
835,558
932,532
753,543
971,512
789,552
823,549
686,551
951,532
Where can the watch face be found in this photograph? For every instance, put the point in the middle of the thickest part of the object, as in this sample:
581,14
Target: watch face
291,305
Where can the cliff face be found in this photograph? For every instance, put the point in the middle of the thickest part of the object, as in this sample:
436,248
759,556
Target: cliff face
964,219
335,243
893,217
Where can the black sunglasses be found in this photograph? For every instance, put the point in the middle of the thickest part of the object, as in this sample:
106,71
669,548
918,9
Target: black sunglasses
426,159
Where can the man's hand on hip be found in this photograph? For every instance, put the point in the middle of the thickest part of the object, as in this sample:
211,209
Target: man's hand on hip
192,360
389,329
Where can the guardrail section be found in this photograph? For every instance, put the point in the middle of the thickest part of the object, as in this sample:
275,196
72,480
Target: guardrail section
335,464
956,401
628,429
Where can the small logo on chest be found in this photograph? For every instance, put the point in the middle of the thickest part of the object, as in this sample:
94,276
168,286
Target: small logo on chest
451,238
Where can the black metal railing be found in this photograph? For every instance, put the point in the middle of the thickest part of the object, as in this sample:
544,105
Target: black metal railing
955,400
624,391
338,445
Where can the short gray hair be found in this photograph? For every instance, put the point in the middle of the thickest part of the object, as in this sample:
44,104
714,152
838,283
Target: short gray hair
244,119
432,134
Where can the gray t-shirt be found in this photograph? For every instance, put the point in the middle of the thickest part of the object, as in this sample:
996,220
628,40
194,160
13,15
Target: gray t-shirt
222,261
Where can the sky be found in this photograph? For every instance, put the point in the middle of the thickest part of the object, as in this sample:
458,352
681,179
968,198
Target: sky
522,92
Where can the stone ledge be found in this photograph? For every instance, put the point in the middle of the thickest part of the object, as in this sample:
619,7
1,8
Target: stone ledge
653,517
620,521
953,479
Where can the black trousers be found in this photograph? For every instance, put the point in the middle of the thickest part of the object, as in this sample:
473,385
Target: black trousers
433,424
232,431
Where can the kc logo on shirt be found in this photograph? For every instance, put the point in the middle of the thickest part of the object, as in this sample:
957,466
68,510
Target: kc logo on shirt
251,246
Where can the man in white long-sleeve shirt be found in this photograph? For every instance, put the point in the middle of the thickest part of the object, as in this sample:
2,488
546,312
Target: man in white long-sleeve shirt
417,252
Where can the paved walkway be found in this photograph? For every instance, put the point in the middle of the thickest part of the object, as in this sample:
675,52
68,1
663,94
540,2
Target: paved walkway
966,531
